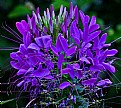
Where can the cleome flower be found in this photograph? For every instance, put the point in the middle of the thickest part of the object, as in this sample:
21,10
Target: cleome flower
58,47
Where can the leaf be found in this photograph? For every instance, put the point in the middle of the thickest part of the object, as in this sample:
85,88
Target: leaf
19,10
57,4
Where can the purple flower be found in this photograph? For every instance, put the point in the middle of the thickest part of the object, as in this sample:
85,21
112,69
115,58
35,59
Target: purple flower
57,52
64,85
104,82
89,81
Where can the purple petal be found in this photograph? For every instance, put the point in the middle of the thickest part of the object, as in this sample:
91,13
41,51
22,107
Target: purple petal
79,74
64,25
96,44
84,59
107,45
20,83
85,47
66,71
90,81
64,85
93,21
54,49
48,13
29,21
33,24
61,10
104,82
19,27
89,53
93,36
38,11
103,38
71,73
61,43
76,66
23,49
82,16
41,73
81,34
109,67
34,59
60,61
76,13
111,52
22,27
51,26
86,28
74,32
71,10
14,56
30,70
43,41
45,29
27,39
93,28
33,46
71,51
96,67
34,81
77,40
15,64
48,77
21,71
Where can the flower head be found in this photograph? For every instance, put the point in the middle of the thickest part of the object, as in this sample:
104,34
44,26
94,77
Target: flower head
59,48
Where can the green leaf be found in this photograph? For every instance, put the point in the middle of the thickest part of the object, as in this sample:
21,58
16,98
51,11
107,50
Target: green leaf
20,10
83,3
58,3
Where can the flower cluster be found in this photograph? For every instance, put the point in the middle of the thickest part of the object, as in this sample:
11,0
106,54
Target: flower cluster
59,53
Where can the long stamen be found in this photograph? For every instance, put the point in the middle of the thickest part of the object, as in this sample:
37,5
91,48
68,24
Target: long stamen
11,32
11,39
14,32
115,40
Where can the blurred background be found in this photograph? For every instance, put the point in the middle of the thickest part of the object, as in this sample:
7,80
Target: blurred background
108,16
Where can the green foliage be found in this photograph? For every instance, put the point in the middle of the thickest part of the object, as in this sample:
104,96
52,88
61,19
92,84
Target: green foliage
19,10
114,34
58,3
82,4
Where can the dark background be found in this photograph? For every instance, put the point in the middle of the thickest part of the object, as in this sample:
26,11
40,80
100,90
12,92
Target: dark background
108,14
